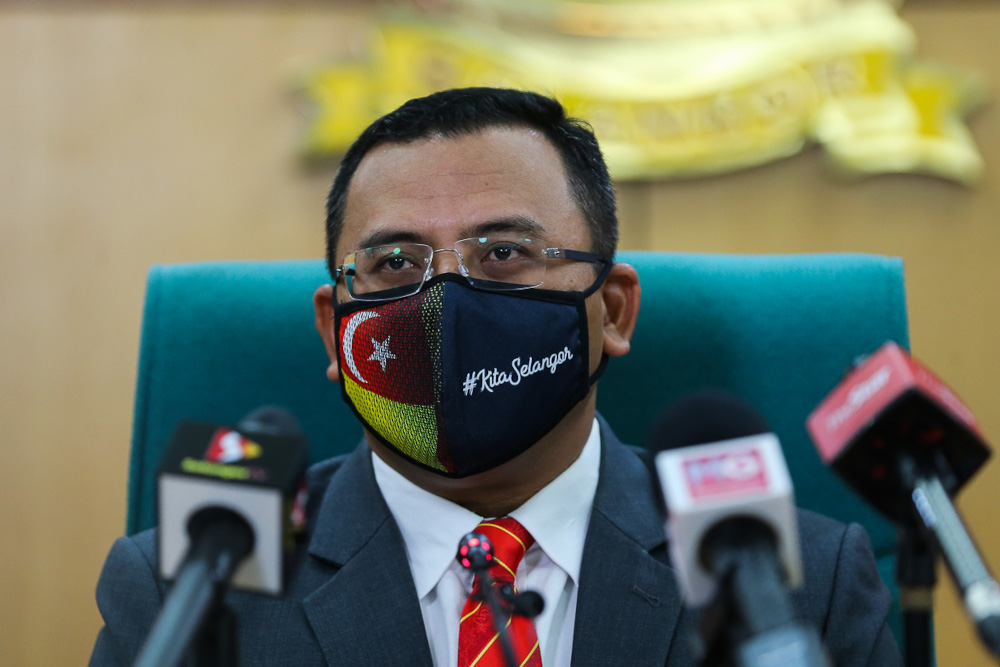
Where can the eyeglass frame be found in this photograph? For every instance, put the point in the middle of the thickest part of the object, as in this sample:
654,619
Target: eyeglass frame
548,253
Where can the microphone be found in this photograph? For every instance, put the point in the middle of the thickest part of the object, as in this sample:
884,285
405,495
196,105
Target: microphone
475,552
526,603
732,530
906,443
231,502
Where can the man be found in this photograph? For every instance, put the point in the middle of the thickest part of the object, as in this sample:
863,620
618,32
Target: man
475,303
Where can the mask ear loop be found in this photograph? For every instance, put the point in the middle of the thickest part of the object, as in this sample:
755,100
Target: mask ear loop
600,369
601,277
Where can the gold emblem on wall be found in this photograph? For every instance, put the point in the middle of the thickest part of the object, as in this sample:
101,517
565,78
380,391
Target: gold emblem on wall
678,87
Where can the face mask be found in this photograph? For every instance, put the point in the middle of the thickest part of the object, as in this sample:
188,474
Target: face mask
460,380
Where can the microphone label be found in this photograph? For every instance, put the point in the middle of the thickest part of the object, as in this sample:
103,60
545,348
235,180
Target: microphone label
725,473
228,446
858,396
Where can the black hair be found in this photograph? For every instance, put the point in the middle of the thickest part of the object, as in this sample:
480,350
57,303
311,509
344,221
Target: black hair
463,111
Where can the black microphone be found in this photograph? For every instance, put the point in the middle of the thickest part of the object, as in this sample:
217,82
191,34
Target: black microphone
231,502
475,552
732,531
906,443
526,603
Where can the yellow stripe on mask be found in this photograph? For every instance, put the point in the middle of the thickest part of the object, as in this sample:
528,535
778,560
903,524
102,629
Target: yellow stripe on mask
412,429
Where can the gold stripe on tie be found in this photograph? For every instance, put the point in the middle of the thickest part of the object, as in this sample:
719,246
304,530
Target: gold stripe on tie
488,645
471,612
493,525
530,653
483,652
504,566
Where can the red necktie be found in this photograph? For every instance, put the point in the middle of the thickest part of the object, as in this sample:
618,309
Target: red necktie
478,643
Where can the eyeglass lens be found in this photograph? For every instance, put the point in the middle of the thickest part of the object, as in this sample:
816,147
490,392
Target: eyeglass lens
491,263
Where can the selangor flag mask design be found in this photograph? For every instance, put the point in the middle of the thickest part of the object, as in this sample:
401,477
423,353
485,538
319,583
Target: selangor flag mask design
460,380
386,359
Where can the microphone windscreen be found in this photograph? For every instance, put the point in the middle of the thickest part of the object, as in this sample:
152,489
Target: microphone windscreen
704,417
271,420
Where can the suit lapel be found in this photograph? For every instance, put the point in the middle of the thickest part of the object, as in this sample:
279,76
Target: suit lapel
628,606
366,610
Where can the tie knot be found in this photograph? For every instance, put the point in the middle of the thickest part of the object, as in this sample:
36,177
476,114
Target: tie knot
510,541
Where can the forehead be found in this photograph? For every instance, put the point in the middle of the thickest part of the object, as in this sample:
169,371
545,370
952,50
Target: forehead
438,190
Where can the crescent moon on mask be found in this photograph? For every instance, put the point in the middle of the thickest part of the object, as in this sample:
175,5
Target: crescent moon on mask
352,326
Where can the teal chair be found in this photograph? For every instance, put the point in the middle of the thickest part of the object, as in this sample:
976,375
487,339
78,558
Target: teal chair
220,339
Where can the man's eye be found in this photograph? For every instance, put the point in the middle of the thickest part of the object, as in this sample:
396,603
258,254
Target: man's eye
503,253
397,263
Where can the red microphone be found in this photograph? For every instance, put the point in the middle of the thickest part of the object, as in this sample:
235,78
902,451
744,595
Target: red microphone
906,443
887,406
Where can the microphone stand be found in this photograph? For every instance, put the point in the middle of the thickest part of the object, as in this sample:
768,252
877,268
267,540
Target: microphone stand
194,616
489,594
937,530
916,577
751,622
474,553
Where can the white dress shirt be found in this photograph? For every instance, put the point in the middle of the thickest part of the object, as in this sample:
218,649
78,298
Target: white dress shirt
557,517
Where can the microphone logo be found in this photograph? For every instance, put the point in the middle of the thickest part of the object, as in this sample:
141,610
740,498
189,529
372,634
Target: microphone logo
228,446
725,473
858,396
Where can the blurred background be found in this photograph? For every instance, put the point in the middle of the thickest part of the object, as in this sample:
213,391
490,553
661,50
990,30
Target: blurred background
158,131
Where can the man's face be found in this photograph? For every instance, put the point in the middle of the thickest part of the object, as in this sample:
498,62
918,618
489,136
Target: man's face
437,191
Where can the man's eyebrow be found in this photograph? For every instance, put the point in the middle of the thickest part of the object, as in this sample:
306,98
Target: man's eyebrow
389,236
519,224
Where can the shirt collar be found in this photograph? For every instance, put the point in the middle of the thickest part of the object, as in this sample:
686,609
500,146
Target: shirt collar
557,517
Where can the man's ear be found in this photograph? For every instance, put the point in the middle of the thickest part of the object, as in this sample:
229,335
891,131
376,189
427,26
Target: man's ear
325,325
621,293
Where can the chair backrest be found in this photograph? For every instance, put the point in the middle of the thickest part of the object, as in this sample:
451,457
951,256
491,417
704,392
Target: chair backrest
220,339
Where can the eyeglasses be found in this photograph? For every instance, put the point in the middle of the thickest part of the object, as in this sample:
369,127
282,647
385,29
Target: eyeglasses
498,264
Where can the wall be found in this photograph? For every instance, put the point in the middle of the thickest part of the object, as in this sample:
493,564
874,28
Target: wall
162,132
128,136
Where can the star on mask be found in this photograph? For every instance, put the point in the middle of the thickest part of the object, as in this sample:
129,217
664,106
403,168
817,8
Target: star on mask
381,353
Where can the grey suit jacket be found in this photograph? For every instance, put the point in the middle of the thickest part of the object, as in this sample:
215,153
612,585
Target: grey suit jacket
351,599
